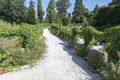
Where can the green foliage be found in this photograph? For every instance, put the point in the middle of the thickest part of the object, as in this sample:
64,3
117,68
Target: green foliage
96,9
62,6
51,11
31,13
13,10
15,59
95,58
114,2
15,37
108,15
109,71
29,34
5,59
90,34
58,18
40,12
112,36
79,12
66,21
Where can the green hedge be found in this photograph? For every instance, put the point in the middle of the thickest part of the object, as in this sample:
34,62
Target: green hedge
112,36
91,35
28,33
29,36
108,15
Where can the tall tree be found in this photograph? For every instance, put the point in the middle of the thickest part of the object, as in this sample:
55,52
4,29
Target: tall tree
51,11
31,13
62,6
114,2
40,12
2,6
92,15
13,10
79,12
96,9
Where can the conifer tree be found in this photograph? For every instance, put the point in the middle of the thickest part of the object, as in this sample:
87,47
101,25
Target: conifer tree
13,10
51,11
96,9
31,13
114,2
40,12
79,12
62,6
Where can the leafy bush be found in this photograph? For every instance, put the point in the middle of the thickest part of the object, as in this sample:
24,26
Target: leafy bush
112,36
108,15
96,58
21,36
91,35
29,34
66,21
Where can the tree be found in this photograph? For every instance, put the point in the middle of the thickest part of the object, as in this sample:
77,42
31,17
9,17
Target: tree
92,21
40,12
51,11
2,6
96,9
79,12
13,10
114,2
31,13
62,6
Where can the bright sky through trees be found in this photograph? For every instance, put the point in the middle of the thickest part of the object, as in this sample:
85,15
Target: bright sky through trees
87,3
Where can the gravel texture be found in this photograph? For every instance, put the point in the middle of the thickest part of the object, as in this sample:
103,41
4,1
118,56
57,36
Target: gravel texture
58,63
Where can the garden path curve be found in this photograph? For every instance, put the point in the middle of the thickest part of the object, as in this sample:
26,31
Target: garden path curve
58,63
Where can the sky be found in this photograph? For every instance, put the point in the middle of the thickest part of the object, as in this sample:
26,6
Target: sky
90,4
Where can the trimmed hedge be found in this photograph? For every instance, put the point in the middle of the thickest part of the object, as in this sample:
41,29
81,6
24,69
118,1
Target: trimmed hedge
108,15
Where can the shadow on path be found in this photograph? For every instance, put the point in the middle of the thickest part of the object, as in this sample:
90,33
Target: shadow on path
79,61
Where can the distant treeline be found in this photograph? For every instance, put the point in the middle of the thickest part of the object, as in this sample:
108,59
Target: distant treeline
56,12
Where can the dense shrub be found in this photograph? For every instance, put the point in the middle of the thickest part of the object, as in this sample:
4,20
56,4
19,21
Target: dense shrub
20,37
91,36
110,69
108,15
96,58
66,21
29,34
112,36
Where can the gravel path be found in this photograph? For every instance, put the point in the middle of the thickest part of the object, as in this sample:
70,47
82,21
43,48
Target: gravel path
59,63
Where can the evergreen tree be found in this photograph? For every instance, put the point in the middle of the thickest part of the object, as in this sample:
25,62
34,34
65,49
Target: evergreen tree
96,9
13,10
62,6
2,7
31,13
114,2
79,12
40,12
51,11
91,19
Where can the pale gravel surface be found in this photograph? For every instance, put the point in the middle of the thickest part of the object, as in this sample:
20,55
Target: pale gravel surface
58,63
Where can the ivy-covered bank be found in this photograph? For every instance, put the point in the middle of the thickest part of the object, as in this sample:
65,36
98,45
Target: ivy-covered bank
20,45
110,69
